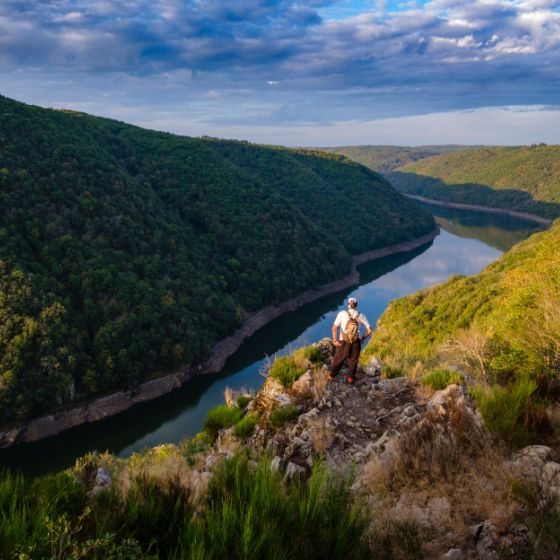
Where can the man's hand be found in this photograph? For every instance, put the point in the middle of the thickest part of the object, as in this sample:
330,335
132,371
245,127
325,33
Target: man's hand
365,337
334,332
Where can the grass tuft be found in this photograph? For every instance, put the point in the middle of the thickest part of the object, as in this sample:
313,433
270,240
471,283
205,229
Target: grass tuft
246,426
279,416
441,378
221,416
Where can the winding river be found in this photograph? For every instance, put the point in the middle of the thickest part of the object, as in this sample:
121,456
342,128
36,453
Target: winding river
468,242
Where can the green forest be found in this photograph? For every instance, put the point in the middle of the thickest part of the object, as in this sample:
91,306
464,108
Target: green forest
524,178
385,159
125,253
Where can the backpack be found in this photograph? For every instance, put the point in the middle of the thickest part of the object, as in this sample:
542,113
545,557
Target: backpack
351,332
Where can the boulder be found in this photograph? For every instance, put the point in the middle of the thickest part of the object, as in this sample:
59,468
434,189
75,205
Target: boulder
528,463
453,554
294,471
550,479
302,387
102,481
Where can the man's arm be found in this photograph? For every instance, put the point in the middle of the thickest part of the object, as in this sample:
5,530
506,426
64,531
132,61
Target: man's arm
368,332
334,333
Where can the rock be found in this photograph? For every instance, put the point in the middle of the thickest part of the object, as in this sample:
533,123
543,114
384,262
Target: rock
528,463
308,417
373,368
550,479
303,385
281,399
487,542
409,410
102,481
476,529
392,385
294,471
277,464
9,437
453,554
210,462
440,508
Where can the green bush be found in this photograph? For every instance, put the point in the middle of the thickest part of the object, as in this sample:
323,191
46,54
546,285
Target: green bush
221,416
315,355
243,400
246,426
285,370
506,409
441,378
279,416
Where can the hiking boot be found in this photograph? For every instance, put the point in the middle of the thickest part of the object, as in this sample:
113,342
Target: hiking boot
350,380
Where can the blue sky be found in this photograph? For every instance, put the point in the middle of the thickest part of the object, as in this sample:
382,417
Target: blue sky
320,72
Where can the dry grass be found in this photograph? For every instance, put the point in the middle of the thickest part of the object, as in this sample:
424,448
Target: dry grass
445,478
320,382
322,436
229,397
162,464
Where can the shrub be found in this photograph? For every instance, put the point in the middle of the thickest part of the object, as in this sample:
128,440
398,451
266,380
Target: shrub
279,416
246,426
243,400
441,378
285,370
508,410
221,416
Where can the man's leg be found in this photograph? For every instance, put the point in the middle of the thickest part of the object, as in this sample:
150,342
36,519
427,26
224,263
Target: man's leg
338,360
353,359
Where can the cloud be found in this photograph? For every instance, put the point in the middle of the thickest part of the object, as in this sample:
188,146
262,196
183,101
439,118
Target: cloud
328,60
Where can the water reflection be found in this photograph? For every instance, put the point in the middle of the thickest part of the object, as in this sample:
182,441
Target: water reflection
468,243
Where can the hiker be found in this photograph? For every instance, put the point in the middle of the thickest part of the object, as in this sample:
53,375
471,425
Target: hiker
350,342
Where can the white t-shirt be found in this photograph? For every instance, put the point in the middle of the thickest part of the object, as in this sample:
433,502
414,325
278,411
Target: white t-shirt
342,319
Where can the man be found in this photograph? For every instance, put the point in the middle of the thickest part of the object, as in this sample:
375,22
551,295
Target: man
350,343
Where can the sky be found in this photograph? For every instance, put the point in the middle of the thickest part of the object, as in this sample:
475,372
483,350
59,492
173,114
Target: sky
315,73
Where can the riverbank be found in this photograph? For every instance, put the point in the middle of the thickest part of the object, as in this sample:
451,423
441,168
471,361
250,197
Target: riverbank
488,209
120,401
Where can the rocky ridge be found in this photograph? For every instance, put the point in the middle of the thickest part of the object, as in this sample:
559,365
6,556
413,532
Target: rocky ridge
394,429
421,459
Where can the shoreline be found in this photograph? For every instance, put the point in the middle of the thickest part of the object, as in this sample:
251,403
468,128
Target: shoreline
115,403
488,209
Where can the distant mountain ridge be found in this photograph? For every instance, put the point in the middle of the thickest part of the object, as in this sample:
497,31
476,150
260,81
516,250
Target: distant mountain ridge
521,178
385,159
126,252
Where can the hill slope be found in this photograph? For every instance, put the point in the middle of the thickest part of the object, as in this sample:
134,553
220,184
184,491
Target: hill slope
126,252
499,325
525,178
384,159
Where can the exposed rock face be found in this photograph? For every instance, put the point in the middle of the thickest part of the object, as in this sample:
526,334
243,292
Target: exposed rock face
535,464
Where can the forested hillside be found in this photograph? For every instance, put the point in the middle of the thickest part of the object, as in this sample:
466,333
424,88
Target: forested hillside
126,252
525,178
385,159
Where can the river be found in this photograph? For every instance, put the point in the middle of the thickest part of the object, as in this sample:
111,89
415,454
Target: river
468,242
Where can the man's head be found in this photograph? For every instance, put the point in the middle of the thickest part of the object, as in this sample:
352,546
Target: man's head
352,303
